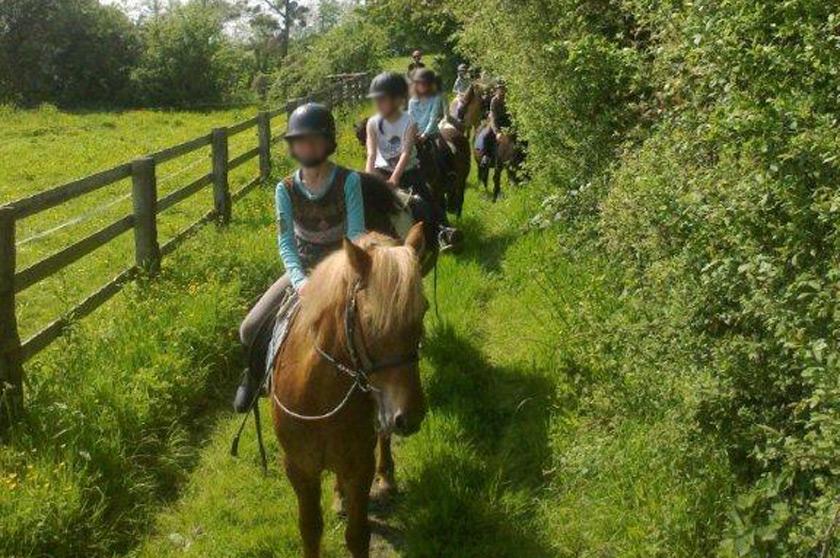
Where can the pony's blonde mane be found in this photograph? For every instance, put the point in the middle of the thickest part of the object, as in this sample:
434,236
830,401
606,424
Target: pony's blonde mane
393,289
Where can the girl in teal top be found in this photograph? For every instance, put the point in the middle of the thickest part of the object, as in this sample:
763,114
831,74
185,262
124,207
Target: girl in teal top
424,106
286,239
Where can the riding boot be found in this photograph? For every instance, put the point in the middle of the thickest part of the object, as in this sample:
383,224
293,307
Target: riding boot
248,390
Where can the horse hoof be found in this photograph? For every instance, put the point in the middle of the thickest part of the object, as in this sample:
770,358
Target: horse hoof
382,491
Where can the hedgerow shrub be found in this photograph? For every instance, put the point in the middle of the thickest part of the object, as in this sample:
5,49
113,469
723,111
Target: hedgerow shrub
736,195
703,137
353,46
188,59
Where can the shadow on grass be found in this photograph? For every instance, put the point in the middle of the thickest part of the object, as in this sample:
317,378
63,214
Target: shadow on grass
482,246
476,499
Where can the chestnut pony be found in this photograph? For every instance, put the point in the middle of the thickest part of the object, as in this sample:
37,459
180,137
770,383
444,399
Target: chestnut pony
474,101
350,361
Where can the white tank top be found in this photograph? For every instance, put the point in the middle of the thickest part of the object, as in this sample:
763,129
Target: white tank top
390,138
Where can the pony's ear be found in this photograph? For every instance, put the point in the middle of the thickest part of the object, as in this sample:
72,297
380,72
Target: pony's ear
359,259
416,239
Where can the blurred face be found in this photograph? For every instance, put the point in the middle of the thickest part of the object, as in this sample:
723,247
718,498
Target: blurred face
310,151
422,88
386,106
417,56
500,92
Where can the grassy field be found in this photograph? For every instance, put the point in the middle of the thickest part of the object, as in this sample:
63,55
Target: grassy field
46,147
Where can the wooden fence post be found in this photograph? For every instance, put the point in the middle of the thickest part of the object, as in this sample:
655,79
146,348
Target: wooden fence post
11,370
144,195
264,135
221,190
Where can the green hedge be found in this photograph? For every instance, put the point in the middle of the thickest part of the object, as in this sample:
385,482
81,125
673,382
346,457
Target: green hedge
698,144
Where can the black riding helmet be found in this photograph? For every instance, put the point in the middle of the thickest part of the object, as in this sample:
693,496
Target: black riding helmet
311,119
388,84
425,75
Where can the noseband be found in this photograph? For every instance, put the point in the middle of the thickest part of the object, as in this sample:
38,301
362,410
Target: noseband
357,370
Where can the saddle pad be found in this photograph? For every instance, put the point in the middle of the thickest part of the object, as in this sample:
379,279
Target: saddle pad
282,324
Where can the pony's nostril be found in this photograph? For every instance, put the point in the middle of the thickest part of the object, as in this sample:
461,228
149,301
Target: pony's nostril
399,421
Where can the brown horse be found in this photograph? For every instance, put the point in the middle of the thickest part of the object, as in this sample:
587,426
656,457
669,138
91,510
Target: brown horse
473,112
350,359
448,184
459,163
508,155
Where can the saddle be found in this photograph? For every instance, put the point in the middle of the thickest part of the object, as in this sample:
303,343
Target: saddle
272,335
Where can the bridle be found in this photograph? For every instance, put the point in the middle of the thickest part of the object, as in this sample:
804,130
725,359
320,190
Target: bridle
358,371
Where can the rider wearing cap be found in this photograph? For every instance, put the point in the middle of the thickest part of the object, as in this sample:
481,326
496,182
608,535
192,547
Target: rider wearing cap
462,86
316,208
416,62
392,153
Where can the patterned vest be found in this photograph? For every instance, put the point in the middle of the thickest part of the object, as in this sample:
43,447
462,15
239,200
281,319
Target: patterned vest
320,225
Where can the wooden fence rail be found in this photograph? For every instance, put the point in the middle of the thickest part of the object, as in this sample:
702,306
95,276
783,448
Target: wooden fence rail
143,220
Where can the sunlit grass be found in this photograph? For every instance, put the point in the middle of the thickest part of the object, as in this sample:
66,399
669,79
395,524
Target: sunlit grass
47,147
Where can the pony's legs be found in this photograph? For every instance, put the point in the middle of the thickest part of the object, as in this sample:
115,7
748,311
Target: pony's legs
497,180
310,522
483,174
384,484
355,490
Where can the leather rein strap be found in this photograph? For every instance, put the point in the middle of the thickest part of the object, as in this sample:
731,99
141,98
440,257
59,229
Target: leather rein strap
358,371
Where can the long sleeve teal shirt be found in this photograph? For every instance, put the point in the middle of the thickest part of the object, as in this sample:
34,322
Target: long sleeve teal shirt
426,113
285,215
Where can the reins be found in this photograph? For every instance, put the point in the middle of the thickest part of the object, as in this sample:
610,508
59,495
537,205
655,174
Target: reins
358,371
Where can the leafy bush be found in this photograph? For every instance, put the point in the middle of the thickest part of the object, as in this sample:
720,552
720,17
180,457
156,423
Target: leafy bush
703,138
353,46
68,52
188,60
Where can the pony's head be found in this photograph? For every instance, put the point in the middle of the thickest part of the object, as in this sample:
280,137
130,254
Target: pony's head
384,277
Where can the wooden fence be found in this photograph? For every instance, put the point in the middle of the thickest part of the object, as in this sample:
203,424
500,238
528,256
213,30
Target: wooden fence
143,220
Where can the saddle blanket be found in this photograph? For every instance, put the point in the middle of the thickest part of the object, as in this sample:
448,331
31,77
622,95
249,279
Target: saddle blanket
272,336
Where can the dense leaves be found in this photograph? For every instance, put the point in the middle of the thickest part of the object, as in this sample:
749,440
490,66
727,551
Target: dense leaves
189,60
703,138
64,51
354,46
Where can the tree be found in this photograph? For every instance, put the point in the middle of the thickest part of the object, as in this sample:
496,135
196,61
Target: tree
265,41
64,51
189,59
291,13
329,15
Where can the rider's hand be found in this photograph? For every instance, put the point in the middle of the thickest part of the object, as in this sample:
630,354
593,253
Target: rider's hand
394,184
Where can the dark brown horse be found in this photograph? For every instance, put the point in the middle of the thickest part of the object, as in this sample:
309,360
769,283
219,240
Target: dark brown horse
508,154
385,214
350,360
447,184
458,168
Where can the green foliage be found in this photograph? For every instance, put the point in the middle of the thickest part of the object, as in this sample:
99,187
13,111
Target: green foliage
188,59
430,25
702,137
69,52
354,46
